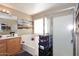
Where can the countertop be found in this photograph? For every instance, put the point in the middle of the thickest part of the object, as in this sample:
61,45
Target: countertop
3,38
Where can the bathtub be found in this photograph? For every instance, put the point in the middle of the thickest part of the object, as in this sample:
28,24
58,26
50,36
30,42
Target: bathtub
30,44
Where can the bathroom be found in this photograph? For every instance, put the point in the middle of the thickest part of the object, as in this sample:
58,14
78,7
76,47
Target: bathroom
38,29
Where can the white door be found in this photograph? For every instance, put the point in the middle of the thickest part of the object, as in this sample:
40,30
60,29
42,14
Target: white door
62,35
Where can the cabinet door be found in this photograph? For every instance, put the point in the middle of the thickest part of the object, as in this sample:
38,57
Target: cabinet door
13,46
2,47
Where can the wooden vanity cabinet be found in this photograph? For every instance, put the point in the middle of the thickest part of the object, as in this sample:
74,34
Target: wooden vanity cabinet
13,46
10,46
3,47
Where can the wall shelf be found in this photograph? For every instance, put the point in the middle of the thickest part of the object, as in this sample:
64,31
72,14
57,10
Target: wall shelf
24,24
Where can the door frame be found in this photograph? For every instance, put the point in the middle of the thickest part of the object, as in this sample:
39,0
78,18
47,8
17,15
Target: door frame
74,33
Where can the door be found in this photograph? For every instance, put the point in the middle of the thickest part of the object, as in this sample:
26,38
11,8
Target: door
62,35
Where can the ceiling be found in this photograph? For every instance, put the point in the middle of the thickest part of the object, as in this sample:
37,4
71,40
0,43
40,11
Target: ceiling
33,8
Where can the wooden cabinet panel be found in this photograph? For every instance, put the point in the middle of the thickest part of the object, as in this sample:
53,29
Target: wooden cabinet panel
2,47
13,46
10,46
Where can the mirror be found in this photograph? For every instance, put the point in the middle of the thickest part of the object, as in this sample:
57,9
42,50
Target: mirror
7,26
8,23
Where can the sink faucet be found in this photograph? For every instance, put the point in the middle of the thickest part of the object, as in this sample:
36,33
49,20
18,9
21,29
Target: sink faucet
12,33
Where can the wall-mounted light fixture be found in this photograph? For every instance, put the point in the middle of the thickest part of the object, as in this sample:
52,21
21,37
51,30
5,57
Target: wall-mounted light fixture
5,11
